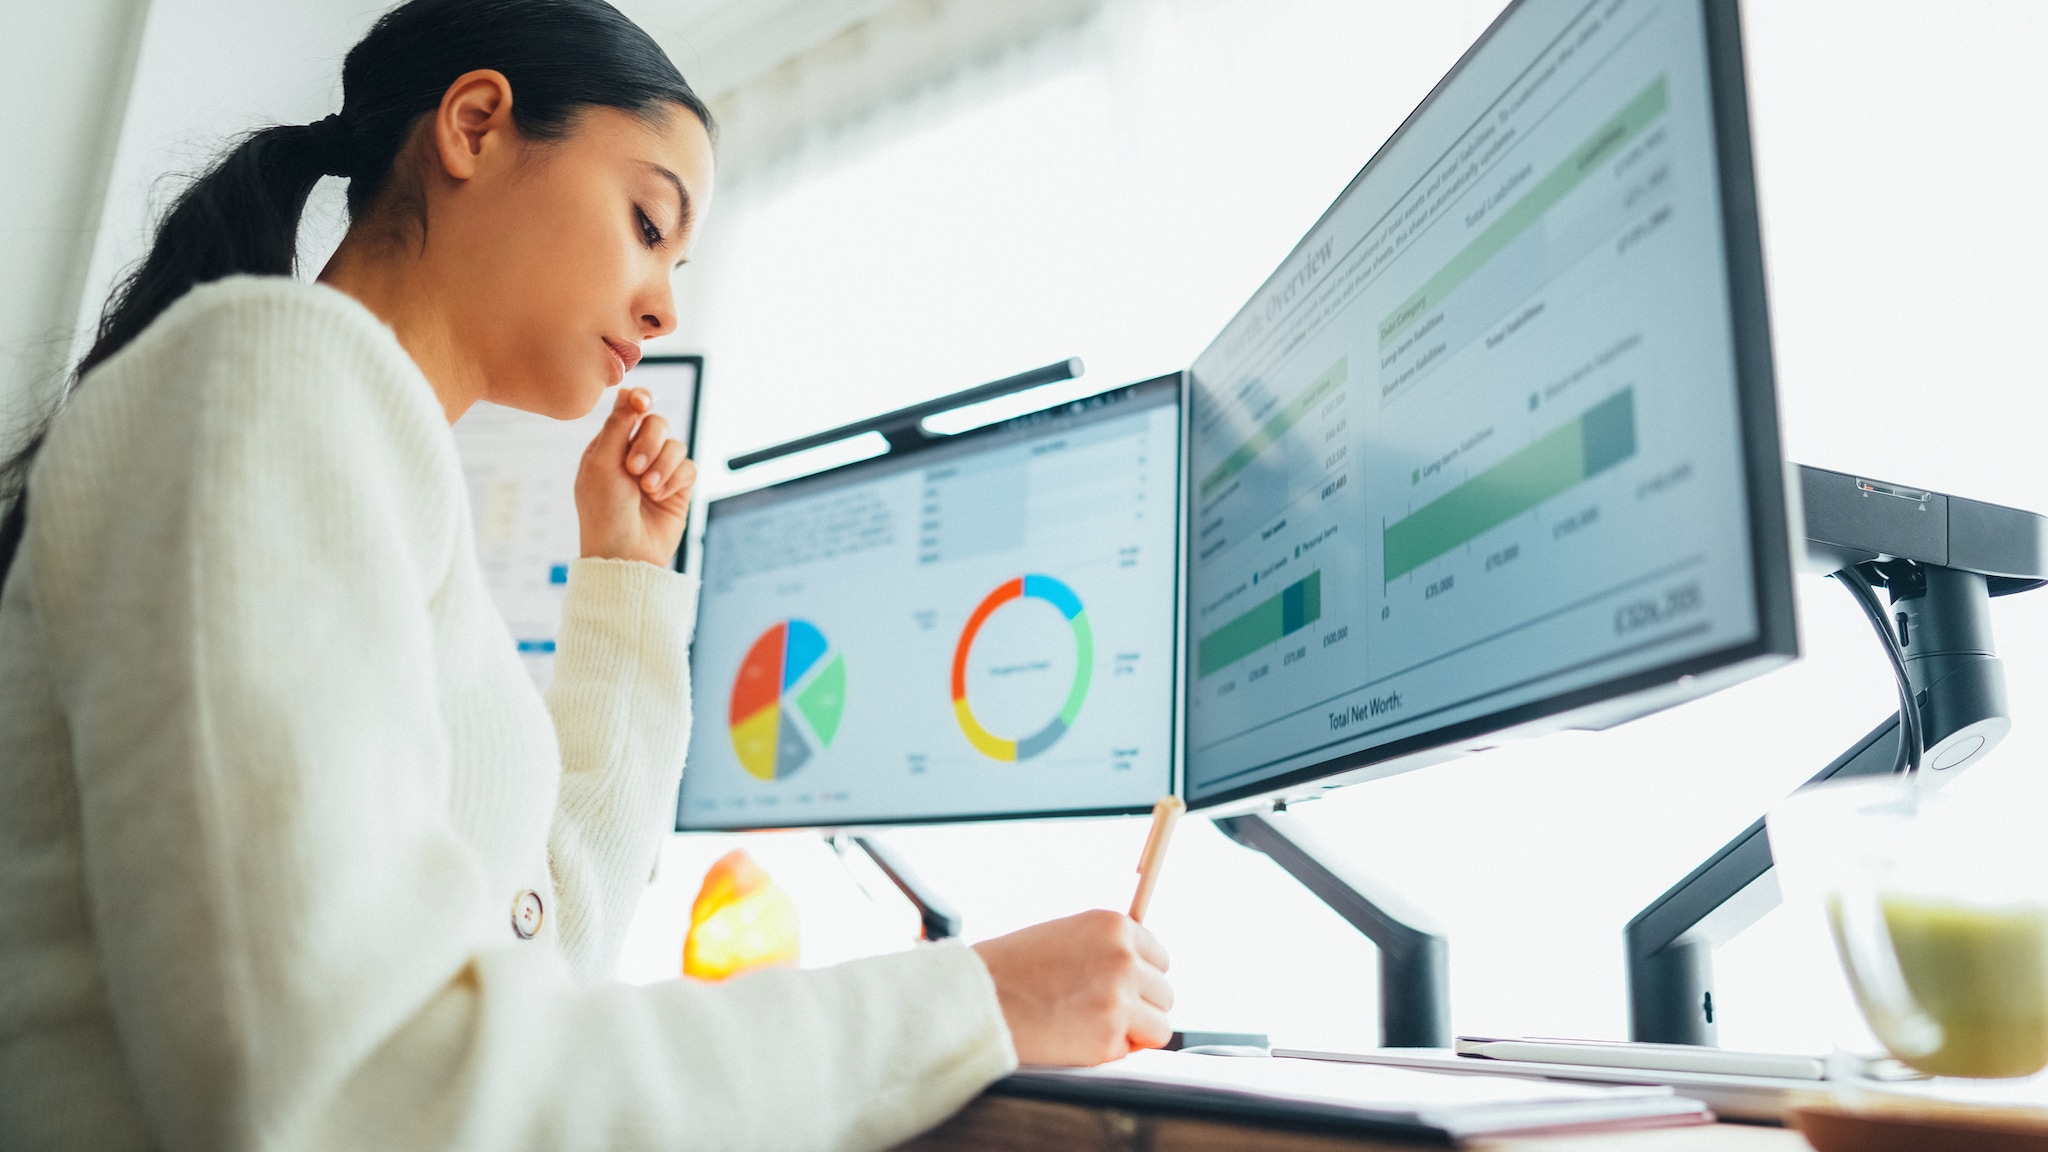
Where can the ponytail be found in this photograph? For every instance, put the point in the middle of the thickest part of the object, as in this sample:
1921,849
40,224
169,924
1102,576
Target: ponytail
242,216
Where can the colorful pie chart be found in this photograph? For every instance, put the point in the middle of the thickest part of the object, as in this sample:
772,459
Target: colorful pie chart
787,700
1059,596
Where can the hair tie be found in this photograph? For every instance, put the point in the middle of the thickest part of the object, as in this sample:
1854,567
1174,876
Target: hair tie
334,142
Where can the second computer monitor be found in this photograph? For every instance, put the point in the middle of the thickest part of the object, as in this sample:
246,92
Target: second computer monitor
981,628
1496,448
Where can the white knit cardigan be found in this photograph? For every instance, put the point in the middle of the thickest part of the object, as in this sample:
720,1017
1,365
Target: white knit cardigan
272,780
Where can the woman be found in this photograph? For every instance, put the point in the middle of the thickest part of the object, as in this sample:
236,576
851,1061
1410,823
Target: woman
295,855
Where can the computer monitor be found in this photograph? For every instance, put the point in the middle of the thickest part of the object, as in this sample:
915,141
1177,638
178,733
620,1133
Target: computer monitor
981,628
1495,450
521,474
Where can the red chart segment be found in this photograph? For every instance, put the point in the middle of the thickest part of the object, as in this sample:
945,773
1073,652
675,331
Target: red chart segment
759,684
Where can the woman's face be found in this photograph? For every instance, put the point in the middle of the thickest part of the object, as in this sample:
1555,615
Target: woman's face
564,256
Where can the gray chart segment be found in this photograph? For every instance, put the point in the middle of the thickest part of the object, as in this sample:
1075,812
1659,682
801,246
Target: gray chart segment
1040,740
791,750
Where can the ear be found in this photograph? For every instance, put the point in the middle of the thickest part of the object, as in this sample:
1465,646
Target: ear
475,115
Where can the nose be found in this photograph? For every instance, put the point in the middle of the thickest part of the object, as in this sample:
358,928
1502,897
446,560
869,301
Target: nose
657,306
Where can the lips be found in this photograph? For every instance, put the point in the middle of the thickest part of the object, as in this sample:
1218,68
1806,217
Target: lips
628,354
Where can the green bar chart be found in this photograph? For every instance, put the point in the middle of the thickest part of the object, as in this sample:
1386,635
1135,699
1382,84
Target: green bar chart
1601,437
1293,608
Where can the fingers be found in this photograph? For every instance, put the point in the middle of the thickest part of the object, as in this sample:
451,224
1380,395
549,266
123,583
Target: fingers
1153,988
1145,1020
627,409
1148,1028
1148,946
659,480
661,464
646,446
678,478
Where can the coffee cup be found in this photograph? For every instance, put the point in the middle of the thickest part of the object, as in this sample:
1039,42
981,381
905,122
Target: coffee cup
1938,906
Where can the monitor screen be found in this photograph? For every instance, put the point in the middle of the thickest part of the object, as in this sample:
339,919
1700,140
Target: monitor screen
521,473
980,628
1495,448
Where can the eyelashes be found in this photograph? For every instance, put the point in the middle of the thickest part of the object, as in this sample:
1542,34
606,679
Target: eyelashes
649,234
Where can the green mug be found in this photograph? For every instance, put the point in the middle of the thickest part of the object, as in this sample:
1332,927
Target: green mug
1938,905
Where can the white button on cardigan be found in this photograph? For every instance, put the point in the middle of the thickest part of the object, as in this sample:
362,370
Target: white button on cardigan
526,914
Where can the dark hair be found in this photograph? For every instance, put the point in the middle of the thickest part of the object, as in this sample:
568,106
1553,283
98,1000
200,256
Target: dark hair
560,56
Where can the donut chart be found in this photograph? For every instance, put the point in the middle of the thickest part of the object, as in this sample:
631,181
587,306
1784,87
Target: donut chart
787,700
1059,596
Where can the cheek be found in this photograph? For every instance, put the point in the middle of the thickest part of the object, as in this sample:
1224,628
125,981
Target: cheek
557,295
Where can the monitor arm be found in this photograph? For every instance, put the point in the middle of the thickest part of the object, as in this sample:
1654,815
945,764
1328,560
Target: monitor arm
936,918
1941,559
1415,967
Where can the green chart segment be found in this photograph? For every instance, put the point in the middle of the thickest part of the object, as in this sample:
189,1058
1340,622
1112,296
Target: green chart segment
1603,436
1600,147
1295,607
1277,425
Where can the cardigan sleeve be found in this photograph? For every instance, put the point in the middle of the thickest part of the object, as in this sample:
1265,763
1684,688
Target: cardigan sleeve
621,704
297,945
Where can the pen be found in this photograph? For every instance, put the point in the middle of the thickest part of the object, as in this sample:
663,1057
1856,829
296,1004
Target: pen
1164,815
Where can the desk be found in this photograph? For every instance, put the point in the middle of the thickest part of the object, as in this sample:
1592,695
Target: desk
1006,1124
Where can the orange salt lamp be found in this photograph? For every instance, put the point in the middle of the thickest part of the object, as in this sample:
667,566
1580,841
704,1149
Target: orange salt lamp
740,921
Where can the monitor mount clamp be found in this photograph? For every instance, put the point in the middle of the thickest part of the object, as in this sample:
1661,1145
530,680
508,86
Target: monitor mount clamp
1940,559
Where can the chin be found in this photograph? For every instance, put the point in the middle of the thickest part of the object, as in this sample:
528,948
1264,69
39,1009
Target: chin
559,402
577,405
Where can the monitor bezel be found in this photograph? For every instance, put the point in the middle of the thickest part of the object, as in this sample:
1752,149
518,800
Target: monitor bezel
1173,382
1623,698
680,562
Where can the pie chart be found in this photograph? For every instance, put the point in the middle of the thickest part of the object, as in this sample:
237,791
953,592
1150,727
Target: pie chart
786,700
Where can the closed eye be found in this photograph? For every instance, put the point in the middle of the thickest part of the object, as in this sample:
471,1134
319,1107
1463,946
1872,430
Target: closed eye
649,233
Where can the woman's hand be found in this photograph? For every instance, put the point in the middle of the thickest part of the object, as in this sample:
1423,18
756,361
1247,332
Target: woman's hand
633,487
1083,990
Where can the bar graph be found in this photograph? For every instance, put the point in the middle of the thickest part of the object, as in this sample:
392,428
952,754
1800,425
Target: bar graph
1601,437
1293,608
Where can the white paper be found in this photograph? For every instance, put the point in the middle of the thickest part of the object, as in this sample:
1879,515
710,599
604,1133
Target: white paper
1355,1085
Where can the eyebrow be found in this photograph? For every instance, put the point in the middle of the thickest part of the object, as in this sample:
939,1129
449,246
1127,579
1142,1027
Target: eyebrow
682,195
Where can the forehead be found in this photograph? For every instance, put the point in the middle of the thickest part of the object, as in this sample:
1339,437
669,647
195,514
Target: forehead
667,135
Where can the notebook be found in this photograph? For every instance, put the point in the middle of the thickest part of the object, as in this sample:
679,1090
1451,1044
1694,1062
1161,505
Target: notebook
1442,1107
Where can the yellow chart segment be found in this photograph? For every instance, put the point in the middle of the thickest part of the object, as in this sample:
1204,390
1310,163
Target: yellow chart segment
987,743
753,739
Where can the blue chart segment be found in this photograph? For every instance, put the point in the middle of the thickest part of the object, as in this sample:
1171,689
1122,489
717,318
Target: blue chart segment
802,649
